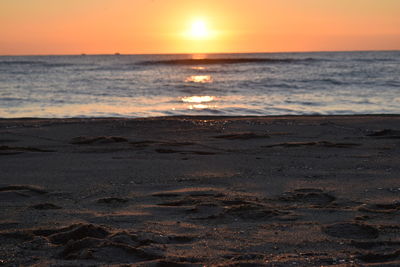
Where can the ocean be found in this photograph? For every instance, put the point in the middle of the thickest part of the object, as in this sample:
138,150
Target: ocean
323,83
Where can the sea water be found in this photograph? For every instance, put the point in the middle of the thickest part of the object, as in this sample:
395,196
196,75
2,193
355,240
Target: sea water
323,83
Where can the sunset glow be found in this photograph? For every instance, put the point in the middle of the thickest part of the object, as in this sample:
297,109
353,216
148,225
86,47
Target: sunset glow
176,26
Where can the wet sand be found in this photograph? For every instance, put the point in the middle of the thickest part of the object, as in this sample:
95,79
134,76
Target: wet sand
194,191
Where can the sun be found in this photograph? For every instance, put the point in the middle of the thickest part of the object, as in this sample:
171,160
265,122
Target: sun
199,30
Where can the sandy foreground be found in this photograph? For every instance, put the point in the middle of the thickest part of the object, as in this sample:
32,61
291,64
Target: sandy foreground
194,191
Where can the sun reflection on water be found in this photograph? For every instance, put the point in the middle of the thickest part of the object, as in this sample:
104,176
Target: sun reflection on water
198,68
199,79
199,56
197,99
199,102
201,106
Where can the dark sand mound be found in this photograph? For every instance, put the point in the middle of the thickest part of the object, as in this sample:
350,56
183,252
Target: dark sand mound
242,136
46,206
381,208
314,143
183,152
87,140
78,232
94,242
381,257
12,150
307,196
12,193
351,231
216,204
386,133
23,188
112,200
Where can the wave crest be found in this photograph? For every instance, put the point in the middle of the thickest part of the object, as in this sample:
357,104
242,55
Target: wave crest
211,61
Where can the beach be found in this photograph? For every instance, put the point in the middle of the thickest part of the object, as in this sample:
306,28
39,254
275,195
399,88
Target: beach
201,191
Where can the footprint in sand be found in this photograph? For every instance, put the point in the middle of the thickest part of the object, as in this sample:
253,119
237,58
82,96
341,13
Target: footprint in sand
314,143
242,136
381,257
309,196
381,208
183,152
208,203
385,134
13,150
11,193
94,242
46,206
88,140
351,231
112,200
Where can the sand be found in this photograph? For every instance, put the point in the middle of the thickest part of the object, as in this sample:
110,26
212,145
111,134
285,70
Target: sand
194,191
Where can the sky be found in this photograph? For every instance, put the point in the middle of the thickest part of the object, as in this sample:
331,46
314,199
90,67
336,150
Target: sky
30,27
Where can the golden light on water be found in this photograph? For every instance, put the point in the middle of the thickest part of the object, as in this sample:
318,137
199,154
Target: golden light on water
198,68
199,79
200,106
199,102
199,56
198,99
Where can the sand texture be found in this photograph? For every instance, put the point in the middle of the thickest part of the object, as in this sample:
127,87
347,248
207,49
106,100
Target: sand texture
194,191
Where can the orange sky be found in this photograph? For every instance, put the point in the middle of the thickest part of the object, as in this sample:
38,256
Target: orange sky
159,26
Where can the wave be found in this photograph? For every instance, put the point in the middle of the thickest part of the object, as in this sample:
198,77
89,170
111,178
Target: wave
394,59
35,63
21,62
211,61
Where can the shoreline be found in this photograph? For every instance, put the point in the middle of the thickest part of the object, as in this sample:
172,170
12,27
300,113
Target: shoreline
199,117
301,190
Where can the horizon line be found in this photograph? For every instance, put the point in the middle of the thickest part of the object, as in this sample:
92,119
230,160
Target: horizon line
194,53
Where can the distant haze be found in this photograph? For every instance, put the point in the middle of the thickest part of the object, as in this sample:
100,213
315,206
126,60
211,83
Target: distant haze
163,26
